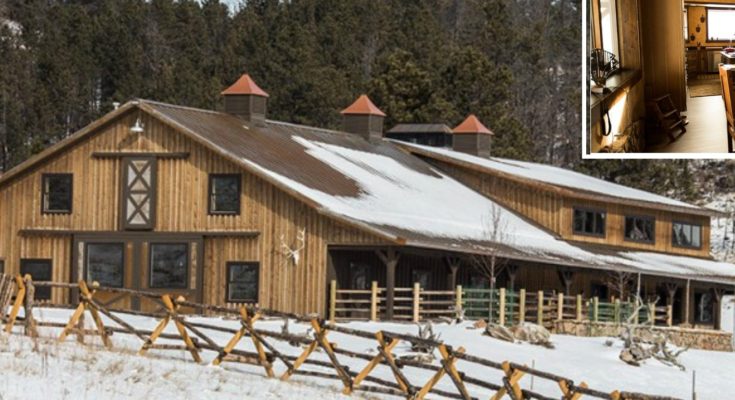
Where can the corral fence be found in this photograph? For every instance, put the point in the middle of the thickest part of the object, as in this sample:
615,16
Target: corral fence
506,307
194,340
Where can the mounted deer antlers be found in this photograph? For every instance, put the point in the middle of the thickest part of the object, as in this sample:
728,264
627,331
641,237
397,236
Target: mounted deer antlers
292,252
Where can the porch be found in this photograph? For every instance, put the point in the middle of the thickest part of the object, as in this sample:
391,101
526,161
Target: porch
413,284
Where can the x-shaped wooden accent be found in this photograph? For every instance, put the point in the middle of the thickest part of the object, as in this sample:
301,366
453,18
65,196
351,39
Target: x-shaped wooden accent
569,393
384,353
448,360
320,340
86,303
247,326
510,383
19,297
172,314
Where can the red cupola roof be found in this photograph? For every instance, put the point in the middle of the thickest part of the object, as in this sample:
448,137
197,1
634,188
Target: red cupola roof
245,85
363,106
471,125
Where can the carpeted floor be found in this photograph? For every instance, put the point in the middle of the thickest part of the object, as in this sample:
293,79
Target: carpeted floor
705,86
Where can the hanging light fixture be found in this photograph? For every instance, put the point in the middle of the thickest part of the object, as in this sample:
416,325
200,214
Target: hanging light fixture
138,127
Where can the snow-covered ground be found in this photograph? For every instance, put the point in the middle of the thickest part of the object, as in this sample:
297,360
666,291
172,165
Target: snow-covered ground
69,370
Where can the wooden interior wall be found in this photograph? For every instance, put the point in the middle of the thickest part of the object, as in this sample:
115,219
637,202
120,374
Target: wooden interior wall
265,209
695,12
630,107
662,28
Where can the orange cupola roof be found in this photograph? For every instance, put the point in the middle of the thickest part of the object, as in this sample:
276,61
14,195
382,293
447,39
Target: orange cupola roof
471,125
363,106
245,85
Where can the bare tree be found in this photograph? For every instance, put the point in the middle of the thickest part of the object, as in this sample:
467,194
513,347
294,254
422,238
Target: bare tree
619,283
489,264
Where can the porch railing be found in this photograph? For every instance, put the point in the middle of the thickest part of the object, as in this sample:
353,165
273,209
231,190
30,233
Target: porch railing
502,306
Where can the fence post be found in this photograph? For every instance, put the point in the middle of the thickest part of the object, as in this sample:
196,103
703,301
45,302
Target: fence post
374,301
669,315
616,311
458,301
522,306
30,298
579,308
560,306
540,311
501,307
416,300
595,309
332,300
652,313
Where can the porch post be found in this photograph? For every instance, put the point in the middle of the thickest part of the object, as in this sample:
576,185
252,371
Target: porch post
390,258
566,277
687,296
717,292
512,271
453,263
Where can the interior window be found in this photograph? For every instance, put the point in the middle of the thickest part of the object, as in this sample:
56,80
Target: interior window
224,194
57,193
40,270
640,229
105,263
609,26
720,25
169,265
242,282
686,235
589,222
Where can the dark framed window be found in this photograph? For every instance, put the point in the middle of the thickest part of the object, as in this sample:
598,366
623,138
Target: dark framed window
720,22
56,192
422,276
640,229
40,270
224,194
2,266
243,281
704,307
169,265
105,263
360,276
589,222
686,235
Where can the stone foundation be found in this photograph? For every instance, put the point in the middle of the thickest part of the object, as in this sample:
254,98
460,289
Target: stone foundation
703,339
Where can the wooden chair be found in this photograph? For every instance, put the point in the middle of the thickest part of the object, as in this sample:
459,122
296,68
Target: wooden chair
668,116
727,78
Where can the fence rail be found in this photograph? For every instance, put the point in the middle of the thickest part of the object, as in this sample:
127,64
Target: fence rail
195,339
502,306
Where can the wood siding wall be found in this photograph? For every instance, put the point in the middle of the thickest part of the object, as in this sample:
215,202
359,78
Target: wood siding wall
181,207
555,212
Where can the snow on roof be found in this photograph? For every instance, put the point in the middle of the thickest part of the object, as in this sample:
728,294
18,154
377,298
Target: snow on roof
389,191
553,175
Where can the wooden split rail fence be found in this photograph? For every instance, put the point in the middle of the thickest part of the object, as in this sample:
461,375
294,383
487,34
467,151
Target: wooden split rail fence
508,307
195,339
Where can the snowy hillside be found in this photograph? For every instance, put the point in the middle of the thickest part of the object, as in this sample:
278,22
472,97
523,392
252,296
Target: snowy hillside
722,235
70,370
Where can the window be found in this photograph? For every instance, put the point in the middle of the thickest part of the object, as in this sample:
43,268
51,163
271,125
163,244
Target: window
224,194
605,26
704,307
589,222
169,265
40,270
686,235
422,277
640,229
105,263
720,25
242,282
56,193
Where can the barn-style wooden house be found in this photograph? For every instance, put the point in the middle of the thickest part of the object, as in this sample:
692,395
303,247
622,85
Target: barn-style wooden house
231,207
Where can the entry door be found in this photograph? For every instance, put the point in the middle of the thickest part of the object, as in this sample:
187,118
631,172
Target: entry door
138,205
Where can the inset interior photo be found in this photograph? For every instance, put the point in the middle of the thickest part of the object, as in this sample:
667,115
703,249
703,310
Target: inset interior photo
661,76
